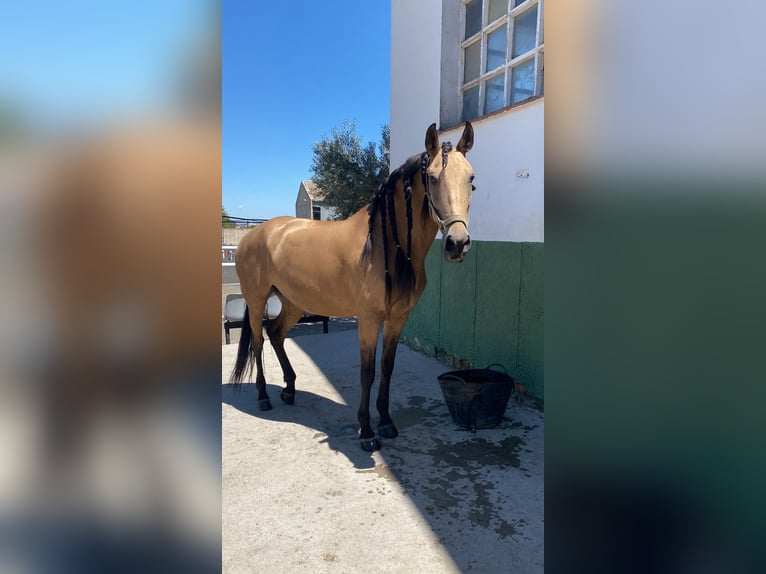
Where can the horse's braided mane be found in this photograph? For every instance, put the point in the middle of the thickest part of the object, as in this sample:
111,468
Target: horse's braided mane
446,148
382,202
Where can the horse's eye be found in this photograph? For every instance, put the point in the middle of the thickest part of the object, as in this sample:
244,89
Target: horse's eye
432,178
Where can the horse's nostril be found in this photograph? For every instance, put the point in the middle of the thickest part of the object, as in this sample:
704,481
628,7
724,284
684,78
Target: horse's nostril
450,244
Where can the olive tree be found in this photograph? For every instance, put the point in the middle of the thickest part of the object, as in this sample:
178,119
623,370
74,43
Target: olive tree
348,172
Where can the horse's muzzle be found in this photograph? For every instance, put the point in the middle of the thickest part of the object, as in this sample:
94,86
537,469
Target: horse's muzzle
456,245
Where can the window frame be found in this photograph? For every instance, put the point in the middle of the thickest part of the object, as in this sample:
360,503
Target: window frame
508,21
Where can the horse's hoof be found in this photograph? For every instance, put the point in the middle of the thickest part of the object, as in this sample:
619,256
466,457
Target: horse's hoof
388,431
264,405
369,444
287,397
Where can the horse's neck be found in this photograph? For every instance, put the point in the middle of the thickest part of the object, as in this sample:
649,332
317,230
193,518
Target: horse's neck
424,228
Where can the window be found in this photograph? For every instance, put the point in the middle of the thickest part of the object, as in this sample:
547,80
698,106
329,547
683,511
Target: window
316,212
501,49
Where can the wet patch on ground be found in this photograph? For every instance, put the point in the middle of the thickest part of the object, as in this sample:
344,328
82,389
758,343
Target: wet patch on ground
478,451
420,411
457,476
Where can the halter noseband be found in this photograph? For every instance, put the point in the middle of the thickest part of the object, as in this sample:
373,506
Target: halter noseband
443,224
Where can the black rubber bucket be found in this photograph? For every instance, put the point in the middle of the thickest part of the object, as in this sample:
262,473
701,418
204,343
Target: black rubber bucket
476,398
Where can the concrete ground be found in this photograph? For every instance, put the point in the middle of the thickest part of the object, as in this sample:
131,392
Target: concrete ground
299,494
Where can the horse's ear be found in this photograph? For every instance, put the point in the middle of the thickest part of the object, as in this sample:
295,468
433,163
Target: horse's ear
466,140
432,141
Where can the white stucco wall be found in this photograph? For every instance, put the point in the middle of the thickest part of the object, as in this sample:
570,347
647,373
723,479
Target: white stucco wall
505,207
302,204
415,64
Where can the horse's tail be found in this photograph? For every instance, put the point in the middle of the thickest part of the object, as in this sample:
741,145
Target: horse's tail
245,352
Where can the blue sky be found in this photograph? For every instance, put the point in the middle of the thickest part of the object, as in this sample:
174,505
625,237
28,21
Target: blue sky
75,61
291,72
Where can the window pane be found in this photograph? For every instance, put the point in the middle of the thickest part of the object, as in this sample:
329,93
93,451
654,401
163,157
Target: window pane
495,49
517,2
494,94
497,8
472,62
471,103
472,18
523,81
524,28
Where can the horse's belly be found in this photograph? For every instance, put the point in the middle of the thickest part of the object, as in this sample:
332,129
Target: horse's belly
312,297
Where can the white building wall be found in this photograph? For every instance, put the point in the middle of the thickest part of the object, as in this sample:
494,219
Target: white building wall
303,204
326,213
415,64
505,207
508,160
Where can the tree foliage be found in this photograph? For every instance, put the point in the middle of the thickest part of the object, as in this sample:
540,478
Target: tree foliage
348,172
225,221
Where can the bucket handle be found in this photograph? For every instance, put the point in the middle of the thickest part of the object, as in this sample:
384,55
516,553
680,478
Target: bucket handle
450,376
489,367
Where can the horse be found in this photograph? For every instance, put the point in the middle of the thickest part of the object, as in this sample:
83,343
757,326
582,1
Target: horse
371,265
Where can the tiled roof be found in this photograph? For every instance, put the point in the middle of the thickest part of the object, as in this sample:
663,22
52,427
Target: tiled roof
311,188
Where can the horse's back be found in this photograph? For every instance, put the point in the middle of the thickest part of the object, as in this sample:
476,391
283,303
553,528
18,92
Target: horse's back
259,245
315,264
282,239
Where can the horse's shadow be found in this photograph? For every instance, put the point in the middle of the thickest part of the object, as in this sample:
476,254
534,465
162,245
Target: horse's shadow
334,422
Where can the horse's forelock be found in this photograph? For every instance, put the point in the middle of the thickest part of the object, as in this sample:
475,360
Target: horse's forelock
446,148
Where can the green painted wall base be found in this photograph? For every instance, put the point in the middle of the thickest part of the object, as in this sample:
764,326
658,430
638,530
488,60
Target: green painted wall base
487,309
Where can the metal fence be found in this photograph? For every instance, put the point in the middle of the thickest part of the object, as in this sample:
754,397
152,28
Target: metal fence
230,221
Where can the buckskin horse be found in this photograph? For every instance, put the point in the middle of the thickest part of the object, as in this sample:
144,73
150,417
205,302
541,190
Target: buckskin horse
371,265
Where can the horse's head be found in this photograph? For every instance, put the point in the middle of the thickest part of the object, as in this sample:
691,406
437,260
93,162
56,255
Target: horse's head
449,186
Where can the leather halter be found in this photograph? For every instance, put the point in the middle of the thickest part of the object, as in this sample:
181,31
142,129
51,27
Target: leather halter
445,223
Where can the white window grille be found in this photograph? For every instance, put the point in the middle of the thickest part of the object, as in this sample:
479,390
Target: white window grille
501,54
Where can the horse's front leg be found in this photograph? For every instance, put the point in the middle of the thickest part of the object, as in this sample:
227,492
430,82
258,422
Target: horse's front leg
368,341
392,328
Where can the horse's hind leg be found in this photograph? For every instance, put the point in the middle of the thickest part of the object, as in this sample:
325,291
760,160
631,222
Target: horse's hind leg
256,306
277,332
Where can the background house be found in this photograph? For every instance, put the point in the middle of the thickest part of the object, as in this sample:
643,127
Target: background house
481,60
310,203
